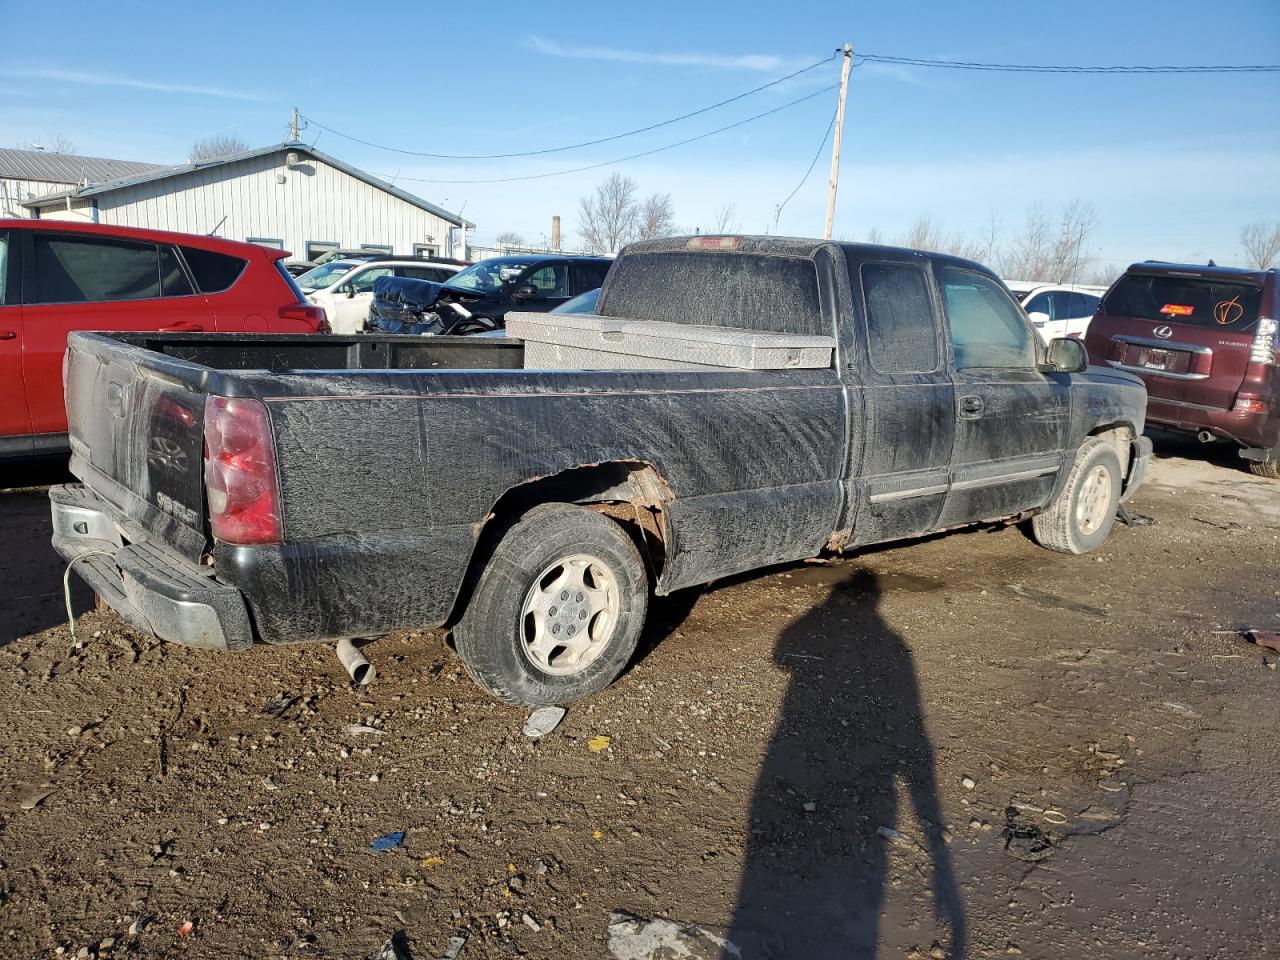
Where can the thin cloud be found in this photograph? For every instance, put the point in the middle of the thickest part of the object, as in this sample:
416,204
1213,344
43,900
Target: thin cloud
112,80
760,62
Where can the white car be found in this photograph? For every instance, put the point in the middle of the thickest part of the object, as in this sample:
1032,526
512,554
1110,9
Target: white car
345,287
1057,309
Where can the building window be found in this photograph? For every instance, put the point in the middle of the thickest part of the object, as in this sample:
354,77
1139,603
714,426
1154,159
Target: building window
315,248
376,248
267,242
426,250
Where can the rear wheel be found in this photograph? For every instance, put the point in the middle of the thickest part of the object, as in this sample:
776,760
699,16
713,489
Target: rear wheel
1083,513
558,609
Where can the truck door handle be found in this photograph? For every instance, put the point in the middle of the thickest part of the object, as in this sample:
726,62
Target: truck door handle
8,334
182,326
971,408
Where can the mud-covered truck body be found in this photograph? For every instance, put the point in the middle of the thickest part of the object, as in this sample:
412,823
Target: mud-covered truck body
274,489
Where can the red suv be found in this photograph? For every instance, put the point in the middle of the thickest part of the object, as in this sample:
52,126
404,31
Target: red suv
1204,341
56,277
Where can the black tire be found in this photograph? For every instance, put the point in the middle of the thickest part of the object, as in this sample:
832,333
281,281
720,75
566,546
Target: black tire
1269,468
1081,517
492,636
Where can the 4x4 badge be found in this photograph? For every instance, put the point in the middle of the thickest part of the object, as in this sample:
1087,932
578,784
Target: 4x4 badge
1164,333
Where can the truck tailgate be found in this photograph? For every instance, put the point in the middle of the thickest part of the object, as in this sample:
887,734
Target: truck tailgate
137,440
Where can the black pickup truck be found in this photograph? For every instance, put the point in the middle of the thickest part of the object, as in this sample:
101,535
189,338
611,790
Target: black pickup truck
258,488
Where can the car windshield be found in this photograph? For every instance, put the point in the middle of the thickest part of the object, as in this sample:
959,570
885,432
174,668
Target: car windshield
325,275
489,275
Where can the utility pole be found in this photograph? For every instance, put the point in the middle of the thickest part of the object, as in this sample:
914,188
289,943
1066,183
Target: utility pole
834,180
293,121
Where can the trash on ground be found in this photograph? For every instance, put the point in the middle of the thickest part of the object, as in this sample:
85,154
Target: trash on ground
598,743
36,799
894,837
1023,839
531,923
388,841
455,946
1264,638
277,706
542,721
186,929
361,729
432,861
636,938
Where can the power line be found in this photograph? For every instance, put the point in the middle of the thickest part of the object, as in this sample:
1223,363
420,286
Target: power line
572,146
1047,68
813,163
634,156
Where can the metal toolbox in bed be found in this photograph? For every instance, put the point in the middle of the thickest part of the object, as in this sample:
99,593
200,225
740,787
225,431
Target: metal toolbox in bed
584,341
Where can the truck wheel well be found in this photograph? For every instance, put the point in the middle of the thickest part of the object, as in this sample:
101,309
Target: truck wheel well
632,492
1120,437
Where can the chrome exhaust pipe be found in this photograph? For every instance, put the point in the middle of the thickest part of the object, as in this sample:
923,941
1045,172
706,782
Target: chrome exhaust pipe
1204,436
357,665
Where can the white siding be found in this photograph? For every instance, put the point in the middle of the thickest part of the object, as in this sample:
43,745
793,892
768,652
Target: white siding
315,202
13,193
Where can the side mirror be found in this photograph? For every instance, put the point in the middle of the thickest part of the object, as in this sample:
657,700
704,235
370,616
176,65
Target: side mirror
1038,318
1067,355
526,291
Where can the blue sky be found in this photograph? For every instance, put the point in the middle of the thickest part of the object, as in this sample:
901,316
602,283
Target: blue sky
1174,165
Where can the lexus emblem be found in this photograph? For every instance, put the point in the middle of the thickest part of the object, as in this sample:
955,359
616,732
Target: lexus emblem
1164,333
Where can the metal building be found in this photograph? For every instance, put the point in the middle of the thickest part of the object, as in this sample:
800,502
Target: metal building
289,196
28,174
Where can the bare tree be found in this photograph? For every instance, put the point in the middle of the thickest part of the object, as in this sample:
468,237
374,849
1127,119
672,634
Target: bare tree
509,238
1042,252
53,143
1261,244
875,235
609,218
59,144
657,217
725,220
220,145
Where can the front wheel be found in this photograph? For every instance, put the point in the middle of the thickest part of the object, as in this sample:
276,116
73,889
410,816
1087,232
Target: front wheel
558,609
1084,511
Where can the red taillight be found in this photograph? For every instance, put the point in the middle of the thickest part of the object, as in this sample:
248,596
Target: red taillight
307,313
712,243
1250,406
240,472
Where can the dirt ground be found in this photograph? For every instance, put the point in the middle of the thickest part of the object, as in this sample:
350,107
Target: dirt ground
1076,757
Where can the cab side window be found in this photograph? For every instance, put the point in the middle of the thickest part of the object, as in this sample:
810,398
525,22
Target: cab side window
551,281
587,276
900,323
83,269
987,329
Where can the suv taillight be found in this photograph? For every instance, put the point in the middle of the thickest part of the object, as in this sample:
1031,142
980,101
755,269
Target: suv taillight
1264,347
240,472
307,313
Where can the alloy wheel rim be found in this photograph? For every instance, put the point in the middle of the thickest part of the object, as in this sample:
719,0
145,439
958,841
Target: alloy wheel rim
570,614
1095,495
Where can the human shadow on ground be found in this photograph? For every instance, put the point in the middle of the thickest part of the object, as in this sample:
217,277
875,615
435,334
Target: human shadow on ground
850,736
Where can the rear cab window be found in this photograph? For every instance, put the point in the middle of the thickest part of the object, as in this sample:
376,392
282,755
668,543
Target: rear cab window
770,293
1192,301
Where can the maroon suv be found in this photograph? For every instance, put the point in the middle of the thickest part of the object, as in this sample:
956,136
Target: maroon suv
1204,341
